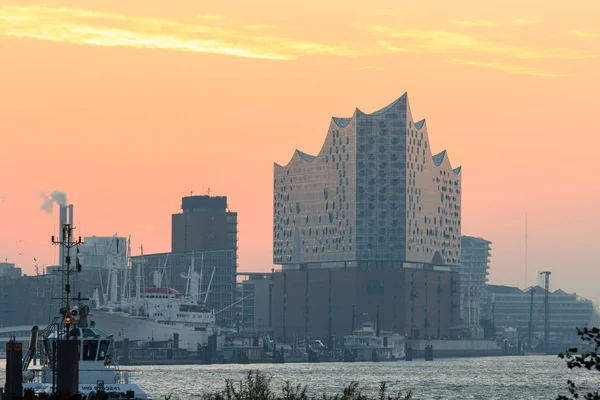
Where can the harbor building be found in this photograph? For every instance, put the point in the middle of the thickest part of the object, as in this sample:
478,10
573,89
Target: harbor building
475,264
510,307
375,196
26,300
256,293
329,303
9,270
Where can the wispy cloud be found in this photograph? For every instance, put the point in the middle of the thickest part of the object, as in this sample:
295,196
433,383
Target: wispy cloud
481,23
260,27
210,17
477,23
584,34
445,41
367,67
522,21
212,34
513,69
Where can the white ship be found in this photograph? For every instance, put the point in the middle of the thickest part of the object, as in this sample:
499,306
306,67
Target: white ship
158,313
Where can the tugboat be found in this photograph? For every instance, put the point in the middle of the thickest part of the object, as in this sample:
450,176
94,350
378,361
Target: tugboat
86,350
97,370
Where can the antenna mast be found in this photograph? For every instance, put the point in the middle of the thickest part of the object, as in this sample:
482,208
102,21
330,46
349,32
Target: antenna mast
67,243
526,249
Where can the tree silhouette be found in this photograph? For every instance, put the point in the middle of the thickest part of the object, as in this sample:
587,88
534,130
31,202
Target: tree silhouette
590,361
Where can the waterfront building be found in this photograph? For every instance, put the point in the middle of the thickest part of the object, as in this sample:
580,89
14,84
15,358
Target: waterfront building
375,196
510,307
256,301
475,264
330,303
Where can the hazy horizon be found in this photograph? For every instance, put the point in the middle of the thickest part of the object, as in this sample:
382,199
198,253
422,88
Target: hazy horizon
128,106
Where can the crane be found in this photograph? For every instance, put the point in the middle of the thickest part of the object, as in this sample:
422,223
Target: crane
546,309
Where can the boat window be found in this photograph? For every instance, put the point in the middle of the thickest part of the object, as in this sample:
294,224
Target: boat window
103,349
90,348
87,332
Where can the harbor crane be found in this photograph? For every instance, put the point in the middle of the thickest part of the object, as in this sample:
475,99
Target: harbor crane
546,310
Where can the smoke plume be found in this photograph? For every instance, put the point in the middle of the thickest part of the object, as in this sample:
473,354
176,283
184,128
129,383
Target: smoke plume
56,196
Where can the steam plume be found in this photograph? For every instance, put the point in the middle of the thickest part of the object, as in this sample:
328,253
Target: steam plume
56,196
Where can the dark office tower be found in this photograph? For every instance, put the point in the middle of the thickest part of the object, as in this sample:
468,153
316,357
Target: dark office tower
205,224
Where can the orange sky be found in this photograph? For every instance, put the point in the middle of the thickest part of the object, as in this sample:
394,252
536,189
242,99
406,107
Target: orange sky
128,105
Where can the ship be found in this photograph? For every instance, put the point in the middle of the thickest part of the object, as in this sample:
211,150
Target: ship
91,356
368,344
97,370
159,313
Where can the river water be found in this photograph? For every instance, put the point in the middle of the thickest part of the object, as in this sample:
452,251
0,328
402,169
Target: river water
532,377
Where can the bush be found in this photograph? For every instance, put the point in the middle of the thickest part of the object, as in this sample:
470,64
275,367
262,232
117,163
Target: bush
258,386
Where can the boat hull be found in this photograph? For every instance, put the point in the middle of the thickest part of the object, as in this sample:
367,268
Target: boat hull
123,326
86,389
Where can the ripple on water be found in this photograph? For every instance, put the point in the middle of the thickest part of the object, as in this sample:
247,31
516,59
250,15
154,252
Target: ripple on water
466,378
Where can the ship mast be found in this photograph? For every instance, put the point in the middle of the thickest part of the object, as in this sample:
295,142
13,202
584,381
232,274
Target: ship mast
65,241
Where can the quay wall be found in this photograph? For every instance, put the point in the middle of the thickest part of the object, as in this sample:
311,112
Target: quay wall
456,348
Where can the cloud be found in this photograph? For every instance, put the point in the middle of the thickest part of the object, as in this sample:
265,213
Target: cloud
365,68
260,27
522,21
464,45
584,34
212,34
478,23
514,69
210,17
490,24
445,41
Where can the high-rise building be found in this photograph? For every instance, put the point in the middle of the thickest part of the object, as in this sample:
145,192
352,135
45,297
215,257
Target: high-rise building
374,197
473,280
207,231
205,224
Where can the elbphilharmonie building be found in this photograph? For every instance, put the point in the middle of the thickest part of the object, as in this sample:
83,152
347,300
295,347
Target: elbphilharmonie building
373,197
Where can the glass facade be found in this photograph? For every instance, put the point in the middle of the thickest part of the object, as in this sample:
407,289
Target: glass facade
374,197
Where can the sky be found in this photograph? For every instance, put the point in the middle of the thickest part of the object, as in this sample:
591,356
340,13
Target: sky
126,106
